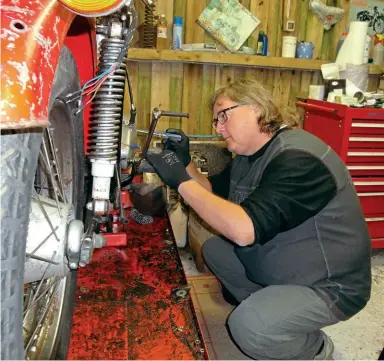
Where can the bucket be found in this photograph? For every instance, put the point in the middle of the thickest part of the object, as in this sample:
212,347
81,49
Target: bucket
289,46
304,50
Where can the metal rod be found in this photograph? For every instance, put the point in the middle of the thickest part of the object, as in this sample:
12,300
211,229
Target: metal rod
45,272
45,214
122,216
56,164
51,176
42,294
156,114
162,135
41,259
43,241
167,113
40,322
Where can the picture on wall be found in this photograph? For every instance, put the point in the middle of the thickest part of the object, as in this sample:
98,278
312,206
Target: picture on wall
371,11
229,22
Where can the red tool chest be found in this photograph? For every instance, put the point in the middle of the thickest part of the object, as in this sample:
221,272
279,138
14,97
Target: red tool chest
357,135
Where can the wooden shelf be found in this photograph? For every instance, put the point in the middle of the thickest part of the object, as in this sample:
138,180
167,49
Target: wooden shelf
200,57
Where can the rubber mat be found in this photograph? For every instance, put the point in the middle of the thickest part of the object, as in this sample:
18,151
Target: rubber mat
133,303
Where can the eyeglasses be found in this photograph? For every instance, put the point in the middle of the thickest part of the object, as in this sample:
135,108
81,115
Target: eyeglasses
222,116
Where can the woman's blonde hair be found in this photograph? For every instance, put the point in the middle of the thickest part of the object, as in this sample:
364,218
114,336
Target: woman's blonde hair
247,91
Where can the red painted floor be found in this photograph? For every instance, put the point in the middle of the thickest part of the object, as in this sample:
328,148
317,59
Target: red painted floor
127,304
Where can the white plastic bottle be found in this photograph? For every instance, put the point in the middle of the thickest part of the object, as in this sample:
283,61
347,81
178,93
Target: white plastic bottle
378,53
367,49
177,32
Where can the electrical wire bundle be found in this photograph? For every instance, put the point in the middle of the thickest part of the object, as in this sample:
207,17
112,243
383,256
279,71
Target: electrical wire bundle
91,87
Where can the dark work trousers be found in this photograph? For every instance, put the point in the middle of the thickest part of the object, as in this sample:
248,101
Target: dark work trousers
271,323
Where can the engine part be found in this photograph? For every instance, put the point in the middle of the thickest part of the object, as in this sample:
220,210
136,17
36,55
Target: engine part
90,241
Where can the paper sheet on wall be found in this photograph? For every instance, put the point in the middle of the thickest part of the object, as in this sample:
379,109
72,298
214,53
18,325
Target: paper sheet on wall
229,22
370,11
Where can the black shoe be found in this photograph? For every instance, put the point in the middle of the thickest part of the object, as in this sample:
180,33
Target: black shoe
229,297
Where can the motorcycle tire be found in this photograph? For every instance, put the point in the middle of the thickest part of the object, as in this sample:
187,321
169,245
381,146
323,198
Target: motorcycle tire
19,158
378,25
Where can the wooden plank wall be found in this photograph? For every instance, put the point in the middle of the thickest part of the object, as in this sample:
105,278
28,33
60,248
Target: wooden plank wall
187,87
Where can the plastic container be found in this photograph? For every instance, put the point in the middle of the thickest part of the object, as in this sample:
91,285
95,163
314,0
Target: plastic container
378,53
162,30
367,49
177,32
265,45
289,46
262,44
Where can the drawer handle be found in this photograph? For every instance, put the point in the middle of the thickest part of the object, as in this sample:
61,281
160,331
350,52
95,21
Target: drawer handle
368,183
365,167
371,194
367,125
375,219
366,154
318,108
364,139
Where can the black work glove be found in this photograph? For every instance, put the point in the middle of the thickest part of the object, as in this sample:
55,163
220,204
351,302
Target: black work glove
180,148
168,166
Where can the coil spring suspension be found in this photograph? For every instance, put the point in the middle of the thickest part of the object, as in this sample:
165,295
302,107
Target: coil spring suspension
149,26
104,134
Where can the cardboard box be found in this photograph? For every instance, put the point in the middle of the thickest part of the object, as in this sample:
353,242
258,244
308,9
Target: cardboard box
198,233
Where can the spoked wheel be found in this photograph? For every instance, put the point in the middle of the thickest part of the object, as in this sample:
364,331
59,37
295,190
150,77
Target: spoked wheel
378,26
42,179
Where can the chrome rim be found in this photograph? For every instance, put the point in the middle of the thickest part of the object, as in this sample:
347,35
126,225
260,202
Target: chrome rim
44,299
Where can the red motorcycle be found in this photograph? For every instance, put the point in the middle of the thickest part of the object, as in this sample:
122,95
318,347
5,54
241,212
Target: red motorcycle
61,120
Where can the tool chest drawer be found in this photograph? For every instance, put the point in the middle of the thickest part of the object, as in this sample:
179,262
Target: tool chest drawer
372,169
357,136
362,126
369,185
364,156
371,195
375,226
371,203
366,141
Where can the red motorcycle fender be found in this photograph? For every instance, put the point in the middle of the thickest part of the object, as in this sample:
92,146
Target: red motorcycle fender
32,35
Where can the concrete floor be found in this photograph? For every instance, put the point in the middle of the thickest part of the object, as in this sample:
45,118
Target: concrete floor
360,338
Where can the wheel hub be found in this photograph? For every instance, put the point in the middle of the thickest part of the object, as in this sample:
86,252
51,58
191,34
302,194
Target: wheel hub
56,241
46,243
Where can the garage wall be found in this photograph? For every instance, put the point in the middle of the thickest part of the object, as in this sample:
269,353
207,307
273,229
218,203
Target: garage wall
187,87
